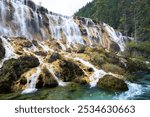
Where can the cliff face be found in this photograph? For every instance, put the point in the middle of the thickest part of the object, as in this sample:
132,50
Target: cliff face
23,18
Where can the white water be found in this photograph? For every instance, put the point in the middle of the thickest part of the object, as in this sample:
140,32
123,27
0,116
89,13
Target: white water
134,90
60,27
92,31
116,36
31,82
94,78
64,27
60,82
9,51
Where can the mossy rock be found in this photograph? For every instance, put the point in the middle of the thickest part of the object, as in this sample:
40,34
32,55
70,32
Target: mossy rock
70,70
12,70
112,83
46,79
2,50
82,81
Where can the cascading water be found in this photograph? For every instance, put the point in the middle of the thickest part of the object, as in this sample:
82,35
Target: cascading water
66,26
94,78
116,36
61,83
31,82
92,31
9,51
35,22
134,91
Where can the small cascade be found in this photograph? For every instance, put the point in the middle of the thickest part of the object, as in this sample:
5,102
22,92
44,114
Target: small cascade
31,82
60,82
9,51
116,36
134,90
92,31
94,78
45,47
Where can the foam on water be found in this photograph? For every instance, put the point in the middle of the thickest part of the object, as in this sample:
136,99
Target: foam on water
134,90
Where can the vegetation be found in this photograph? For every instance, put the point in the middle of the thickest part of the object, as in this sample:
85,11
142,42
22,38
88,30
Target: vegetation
131,17
139,50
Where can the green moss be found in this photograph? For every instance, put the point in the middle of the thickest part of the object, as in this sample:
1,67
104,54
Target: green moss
111,83
12,70
113,68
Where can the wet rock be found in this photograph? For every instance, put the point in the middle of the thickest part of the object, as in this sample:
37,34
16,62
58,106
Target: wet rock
70,70
82,81
83,32
114,47
35,42
2,50
31,4
12,70
54,57
40,53
46,79
22,41
112,83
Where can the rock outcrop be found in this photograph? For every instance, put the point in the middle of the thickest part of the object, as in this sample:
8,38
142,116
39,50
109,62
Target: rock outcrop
112,83
12,70
2,50
46,79
70,70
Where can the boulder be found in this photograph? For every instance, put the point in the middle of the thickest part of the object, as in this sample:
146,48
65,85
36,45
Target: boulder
2,50
12,70
46,79
70,70
112,83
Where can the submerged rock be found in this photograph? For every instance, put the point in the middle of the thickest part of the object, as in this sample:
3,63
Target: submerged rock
12,70
112,83
2,50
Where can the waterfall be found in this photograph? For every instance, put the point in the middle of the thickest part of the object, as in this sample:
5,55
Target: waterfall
60,26
31,82
60,82
94,78
92,31
35,22
9,51
117,37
